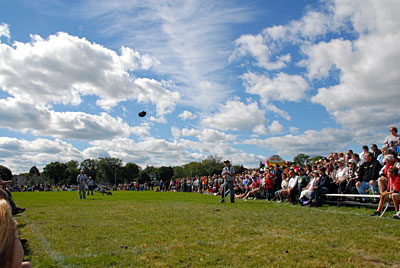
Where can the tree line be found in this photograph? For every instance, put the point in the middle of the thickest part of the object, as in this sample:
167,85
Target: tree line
109,170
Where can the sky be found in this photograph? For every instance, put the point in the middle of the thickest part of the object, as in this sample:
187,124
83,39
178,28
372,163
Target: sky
238,79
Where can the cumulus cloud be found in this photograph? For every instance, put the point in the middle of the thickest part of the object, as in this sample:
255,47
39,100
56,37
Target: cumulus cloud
368,89
21,116
207,135
236,115
282,87
4,31
310,142
63,68
20,155
273,129
256,46
186,115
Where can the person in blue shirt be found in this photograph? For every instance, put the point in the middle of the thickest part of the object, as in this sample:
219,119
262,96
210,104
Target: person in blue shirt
81,179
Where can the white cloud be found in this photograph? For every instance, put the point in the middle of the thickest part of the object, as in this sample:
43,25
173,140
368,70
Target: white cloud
207,135
236,115
4,31
282,87
255,45
310,142
186,115
17,115
189,38
276,128
369,72
260,129
63,68
176,132
21,155
142,131
294,130
273,129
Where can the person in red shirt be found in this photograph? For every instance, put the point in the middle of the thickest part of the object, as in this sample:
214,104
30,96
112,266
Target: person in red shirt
255,189
393,190
269,186
394,178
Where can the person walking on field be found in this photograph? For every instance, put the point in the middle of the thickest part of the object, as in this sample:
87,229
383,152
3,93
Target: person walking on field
228,172
81,179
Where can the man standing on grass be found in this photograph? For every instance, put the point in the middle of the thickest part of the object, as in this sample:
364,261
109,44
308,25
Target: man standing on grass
81,179
228,173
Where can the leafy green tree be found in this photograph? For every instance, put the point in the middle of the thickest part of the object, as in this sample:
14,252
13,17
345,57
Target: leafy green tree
34,172
5,173
109,170
150,170
238,169
72,170
143,176
178,172
212,165
56,172
131,172
165,173
193,169
90,167
302,159
316,158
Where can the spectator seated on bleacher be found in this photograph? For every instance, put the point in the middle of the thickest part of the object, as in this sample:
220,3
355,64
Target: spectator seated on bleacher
292,187
281,194
368,175
305,194
392,138
351,178
320,187
391,191
383,175
302,180
342,175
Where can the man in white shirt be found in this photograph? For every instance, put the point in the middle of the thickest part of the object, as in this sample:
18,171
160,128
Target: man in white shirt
292,189
342,175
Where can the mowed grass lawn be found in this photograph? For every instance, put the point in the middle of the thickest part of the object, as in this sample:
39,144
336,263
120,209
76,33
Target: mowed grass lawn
149,229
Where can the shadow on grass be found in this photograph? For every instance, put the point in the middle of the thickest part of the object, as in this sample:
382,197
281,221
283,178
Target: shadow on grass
21,225
27,249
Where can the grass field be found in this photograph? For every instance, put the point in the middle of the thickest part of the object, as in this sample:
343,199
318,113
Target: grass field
149,229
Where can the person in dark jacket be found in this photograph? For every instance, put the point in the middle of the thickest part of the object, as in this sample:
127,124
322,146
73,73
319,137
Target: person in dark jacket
320,187
368,175
277,179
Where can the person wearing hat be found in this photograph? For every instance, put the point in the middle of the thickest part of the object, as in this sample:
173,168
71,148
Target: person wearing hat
81,179
228,173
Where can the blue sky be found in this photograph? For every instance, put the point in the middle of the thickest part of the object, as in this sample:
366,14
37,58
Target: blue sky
237,79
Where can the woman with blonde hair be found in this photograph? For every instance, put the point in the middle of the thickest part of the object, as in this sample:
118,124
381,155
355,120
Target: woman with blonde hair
11,251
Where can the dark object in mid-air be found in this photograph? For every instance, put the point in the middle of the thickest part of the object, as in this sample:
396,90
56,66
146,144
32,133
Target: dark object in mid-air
142,114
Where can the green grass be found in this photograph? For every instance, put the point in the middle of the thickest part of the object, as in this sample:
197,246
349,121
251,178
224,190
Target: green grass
148,229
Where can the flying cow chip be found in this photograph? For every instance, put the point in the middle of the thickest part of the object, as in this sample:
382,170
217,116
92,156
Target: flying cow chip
142,114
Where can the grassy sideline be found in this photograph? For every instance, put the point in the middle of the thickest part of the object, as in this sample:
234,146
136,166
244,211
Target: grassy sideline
148,229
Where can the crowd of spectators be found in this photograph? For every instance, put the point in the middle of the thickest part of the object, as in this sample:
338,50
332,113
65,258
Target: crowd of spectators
374,171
